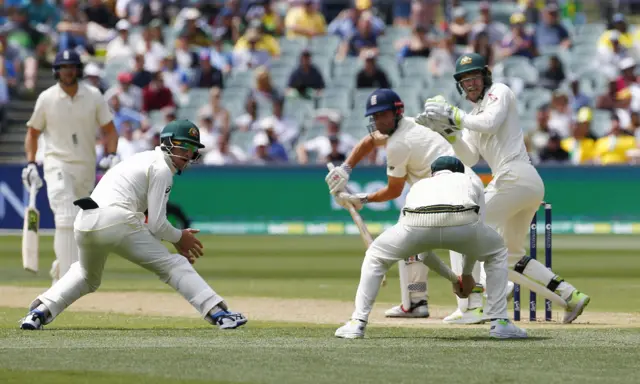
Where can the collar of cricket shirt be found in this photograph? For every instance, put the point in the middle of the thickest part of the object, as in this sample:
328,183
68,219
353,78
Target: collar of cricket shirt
167,159
81,91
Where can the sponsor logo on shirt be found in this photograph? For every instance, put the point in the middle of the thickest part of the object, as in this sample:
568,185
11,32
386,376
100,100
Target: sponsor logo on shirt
168,189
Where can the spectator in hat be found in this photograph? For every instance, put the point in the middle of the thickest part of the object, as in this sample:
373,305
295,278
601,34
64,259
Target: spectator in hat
519,42
305,80
621,31
186,58
275,151
372,76
130,95
198,34
609,57
553,152
224,153
156,96
248,55
93,75
628,78
305,21
580,146
263,42
271,20
176,79
227,27
120,47
550,33
612,148
207,76
460,28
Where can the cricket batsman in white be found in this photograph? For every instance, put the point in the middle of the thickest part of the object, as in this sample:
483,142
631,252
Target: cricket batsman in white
440,212
411,150
492,130
112,220
70,115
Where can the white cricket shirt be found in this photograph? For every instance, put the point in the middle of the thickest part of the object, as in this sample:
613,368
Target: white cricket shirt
445,190
412,148
494,129
141,182
70,124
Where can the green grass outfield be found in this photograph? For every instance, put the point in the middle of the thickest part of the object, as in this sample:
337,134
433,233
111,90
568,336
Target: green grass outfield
104,346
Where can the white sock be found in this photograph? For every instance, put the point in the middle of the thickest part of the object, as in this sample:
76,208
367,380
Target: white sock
66,249
536,271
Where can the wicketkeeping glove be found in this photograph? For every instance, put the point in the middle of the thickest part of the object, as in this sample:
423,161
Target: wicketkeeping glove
337,178
30,176
439,110
109,161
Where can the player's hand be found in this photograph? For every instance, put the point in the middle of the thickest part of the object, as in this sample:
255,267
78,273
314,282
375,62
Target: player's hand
458,288
357,200
439,110
31,176
109,161
379,138
468,284
337,178
188,245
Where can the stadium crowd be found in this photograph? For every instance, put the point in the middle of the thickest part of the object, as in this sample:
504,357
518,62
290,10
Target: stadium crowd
273,82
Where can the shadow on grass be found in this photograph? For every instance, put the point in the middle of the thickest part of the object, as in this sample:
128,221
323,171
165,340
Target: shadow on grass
464,338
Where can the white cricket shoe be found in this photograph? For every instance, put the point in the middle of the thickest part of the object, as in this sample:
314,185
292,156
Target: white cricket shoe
228,319
505,329
471,316
353,329
33,321
419,309
575,305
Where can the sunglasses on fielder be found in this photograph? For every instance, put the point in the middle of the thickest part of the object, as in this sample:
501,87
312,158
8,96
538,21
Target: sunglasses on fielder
189,147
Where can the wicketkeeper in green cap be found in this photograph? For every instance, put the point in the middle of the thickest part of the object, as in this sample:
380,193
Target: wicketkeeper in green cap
493,130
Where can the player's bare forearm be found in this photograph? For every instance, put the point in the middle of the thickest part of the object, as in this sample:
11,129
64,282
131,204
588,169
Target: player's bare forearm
393,190
31,144
110,137
360,151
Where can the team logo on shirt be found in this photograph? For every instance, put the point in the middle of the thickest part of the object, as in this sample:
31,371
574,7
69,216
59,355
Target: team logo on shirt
193,132
465,60
168,189
492,97
391,167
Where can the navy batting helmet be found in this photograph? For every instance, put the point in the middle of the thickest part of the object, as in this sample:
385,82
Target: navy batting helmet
384,99
67,57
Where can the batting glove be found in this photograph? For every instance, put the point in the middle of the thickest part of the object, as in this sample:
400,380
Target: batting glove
109,161
358,200
337,178
30,176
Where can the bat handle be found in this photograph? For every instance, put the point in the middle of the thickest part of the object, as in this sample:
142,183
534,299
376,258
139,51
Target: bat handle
33,192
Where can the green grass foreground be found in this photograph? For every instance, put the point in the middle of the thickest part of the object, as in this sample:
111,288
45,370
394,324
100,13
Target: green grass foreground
324,267
132,349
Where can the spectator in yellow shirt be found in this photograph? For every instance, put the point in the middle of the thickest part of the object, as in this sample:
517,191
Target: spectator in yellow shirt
305,21
612,149
263,41
624,38
580,146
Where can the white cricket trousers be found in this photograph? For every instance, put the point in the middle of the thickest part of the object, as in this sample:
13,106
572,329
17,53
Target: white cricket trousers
476,241
512,198
115,230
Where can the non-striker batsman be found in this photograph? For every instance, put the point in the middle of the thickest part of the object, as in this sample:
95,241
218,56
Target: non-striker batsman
493,130
112,220
70,115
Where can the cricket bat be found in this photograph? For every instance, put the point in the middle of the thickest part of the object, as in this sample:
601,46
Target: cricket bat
362,227
30,241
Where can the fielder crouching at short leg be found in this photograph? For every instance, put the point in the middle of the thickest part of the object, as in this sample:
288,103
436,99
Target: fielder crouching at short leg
441,212
112,221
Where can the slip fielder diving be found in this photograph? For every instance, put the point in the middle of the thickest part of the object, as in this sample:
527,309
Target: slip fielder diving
440,212
492,130
69,115
410,150
112,220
